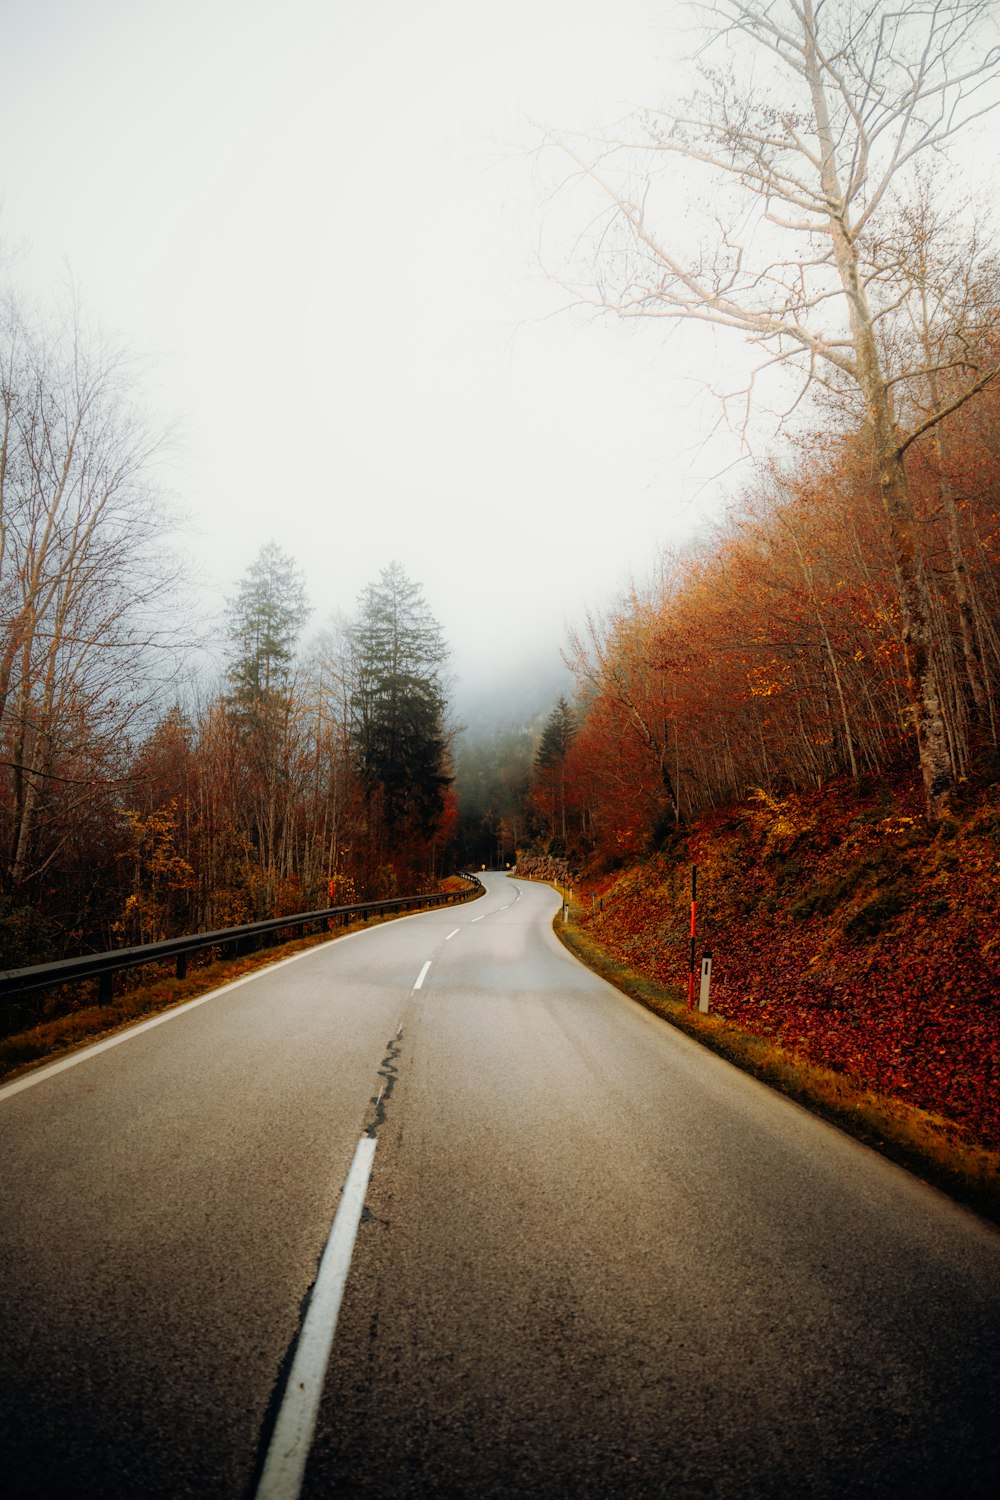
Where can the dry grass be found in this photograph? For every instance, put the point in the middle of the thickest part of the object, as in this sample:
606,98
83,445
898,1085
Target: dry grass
82,1024
927,1145
90,1023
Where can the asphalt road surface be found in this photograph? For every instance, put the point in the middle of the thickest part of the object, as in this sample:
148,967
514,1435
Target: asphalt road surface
592,1259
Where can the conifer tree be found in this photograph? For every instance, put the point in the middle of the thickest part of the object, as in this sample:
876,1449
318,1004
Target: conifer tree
550,760
398,731
265,618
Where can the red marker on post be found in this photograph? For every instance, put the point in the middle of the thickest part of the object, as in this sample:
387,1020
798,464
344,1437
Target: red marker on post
694,909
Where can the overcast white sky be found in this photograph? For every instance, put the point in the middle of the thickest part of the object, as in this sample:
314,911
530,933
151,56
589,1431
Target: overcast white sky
312,217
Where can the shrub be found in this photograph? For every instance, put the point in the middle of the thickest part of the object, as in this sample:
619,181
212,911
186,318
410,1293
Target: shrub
875,914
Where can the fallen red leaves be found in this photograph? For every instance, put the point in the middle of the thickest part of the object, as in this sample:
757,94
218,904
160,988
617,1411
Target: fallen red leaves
840,930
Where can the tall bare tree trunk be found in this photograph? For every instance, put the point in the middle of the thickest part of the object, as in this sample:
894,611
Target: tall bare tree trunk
925,705
956,557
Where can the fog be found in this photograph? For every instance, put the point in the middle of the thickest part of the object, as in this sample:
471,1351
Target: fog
317,224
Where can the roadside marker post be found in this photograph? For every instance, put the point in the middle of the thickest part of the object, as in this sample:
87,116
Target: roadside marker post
706,980
694,909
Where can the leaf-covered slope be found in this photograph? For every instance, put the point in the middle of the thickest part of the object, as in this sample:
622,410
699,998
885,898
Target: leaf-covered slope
842,931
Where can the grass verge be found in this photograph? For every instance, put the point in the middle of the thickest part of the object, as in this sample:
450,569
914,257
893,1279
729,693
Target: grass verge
927,1145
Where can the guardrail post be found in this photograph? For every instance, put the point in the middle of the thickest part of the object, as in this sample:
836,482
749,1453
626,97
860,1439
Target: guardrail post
226,944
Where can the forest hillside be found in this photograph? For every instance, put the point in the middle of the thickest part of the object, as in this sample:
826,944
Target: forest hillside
841,929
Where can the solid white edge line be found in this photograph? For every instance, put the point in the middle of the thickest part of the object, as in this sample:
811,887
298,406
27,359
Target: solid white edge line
49,1070
291,1440
422,975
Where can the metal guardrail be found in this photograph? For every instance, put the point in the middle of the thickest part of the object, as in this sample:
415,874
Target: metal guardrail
104,966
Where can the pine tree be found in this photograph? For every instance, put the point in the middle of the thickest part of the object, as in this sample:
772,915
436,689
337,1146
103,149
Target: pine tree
265,618
398,705
550,759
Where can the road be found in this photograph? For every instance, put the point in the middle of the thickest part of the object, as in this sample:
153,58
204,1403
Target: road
593,1259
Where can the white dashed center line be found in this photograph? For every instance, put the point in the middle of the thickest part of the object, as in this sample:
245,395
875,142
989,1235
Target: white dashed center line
452,934
422,975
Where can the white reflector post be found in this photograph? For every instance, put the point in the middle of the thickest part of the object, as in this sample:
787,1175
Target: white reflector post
706,980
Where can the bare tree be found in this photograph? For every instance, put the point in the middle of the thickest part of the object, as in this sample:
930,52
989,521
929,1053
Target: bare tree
84,581
950,281
810,122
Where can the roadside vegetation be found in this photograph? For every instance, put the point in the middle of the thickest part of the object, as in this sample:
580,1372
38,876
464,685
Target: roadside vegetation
803,702
46,1025
143,796
856,960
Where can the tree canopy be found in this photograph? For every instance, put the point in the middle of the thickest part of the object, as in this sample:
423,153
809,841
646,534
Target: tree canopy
266,616
811,121
398,704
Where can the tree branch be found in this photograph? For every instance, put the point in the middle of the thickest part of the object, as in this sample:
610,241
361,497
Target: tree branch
946,411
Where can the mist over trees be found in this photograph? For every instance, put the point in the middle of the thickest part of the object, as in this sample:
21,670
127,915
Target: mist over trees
84,643
312,773
494,753
772,655
316,777
493,780
553,750
397,716
839,619
805,148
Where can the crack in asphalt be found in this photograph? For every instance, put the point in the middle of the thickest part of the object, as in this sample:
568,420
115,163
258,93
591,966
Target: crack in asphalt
388,1072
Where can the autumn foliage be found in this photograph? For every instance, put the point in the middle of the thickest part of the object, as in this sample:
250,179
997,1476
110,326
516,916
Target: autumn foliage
748,712
770,653
841,930
315,774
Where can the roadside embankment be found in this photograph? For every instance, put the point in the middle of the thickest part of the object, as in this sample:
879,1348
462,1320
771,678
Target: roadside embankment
856,962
